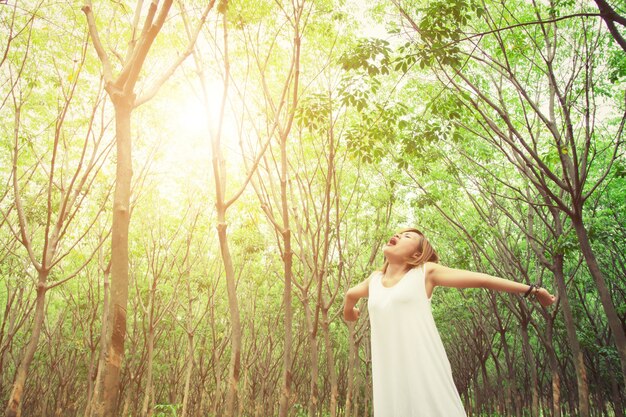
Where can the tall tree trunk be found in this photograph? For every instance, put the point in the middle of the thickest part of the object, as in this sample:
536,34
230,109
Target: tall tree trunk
352,365
605,297
14,407
218,383
556,393
570,327
554,369
286,235
532,367
97,389
330,363
116,332
510,389
285,395
368,376
146,409
219,176
618,405
121,90
188,372
313,404
233,307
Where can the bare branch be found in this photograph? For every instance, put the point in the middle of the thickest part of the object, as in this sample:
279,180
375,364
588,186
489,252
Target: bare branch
95,37
151,92
610,17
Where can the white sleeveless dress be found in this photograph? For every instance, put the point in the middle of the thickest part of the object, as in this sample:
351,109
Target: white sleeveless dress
411,372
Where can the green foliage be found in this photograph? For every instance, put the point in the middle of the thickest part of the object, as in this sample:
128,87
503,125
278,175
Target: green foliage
244,12
566,244
370,55
441,28
617,64
368,141
167,410
620,170
314,111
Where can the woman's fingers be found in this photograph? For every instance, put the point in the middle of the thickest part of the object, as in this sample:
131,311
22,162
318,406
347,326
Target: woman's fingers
545,298
352,315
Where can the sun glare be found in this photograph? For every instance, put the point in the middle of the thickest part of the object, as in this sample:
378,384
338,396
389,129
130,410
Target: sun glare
195,118
186,155
192,117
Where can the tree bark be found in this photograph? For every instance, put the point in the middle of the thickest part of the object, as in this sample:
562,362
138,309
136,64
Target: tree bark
189,369
313,373
235,320
554,369
14,407
605,297
330,363
146,409
611,17
285,396
116,332
352,365
531,365
99,380
570,326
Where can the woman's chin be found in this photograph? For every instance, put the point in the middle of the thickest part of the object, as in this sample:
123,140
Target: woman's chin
392,257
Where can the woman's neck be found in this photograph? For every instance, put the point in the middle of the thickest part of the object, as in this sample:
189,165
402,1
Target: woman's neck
396,269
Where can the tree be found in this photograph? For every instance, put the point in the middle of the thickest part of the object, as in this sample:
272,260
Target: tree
121,91
49,217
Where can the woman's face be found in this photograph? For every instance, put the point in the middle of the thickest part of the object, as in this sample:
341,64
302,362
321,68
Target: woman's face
402,246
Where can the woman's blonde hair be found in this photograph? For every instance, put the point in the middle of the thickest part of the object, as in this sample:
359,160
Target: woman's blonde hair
425,252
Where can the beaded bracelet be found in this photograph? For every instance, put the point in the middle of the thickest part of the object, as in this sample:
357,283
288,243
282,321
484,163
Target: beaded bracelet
530,289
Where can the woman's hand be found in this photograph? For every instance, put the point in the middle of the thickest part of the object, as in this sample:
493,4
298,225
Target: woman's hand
351,315
353,295
544,297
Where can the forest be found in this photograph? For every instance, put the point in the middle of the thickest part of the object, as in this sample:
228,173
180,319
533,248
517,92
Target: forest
189,188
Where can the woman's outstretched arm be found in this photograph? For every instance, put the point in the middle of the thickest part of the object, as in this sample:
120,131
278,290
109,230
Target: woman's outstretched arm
439,275
353,295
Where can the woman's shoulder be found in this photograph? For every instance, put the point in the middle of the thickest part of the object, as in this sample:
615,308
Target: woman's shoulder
430,268
375,274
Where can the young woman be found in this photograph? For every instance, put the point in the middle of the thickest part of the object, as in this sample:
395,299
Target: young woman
411,372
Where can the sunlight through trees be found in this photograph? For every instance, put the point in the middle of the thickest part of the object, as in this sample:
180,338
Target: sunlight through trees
189,188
